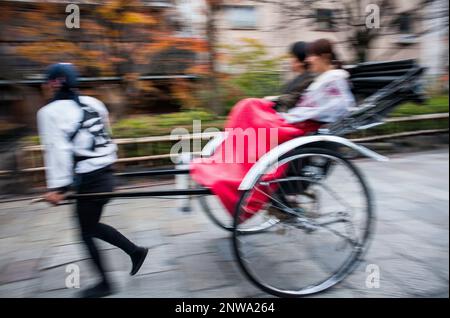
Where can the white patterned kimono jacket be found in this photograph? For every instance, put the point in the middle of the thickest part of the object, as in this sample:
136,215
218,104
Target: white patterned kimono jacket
326,100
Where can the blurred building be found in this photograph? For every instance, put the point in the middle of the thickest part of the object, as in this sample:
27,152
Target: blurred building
407,29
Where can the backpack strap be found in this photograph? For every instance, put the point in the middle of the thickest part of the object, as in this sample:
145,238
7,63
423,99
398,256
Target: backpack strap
80,123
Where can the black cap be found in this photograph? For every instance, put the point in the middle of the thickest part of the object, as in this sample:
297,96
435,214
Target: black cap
63,70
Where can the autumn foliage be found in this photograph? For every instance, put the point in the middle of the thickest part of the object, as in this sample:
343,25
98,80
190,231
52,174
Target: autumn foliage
115,37
125,39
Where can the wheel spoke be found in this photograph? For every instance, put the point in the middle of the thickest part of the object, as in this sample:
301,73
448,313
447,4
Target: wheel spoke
287,210
325,226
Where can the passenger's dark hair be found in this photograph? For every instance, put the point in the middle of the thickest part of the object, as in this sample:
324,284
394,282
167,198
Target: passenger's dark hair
299,50
324,47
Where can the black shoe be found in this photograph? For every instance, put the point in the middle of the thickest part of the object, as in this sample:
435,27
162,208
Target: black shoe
137,258
102,289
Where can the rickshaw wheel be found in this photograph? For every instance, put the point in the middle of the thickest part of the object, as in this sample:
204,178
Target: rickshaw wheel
305,253
216,212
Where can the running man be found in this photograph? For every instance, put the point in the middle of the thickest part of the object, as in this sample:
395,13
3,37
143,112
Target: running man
79,154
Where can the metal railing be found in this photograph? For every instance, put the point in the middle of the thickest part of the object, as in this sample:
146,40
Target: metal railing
30,153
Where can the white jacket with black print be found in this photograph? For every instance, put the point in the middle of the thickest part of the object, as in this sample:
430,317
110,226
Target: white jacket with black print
57,122
326,100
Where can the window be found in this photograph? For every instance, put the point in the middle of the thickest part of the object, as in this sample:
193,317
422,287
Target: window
405,23
324,19
241,17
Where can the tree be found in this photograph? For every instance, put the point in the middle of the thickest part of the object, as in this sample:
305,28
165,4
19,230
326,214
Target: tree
213,6
351,19
115,38
255,73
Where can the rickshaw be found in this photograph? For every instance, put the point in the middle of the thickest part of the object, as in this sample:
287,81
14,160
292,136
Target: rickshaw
316,221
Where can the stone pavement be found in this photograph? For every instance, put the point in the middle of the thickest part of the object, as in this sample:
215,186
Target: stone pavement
190,257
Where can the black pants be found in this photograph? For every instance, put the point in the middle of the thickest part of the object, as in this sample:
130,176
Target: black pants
89,212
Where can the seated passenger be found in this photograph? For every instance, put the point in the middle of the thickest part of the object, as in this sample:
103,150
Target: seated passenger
329,97
254,126
293,89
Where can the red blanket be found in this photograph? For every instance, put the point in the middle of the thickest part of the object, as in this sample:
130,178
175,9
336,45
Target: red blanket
254,128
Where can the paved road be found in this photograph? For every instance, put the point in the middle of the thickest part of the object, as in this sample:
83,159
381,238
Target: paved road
190,257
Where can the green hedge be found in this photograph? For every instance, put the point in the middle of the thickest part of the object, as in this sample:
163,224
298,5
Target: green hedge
436,104
158,125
